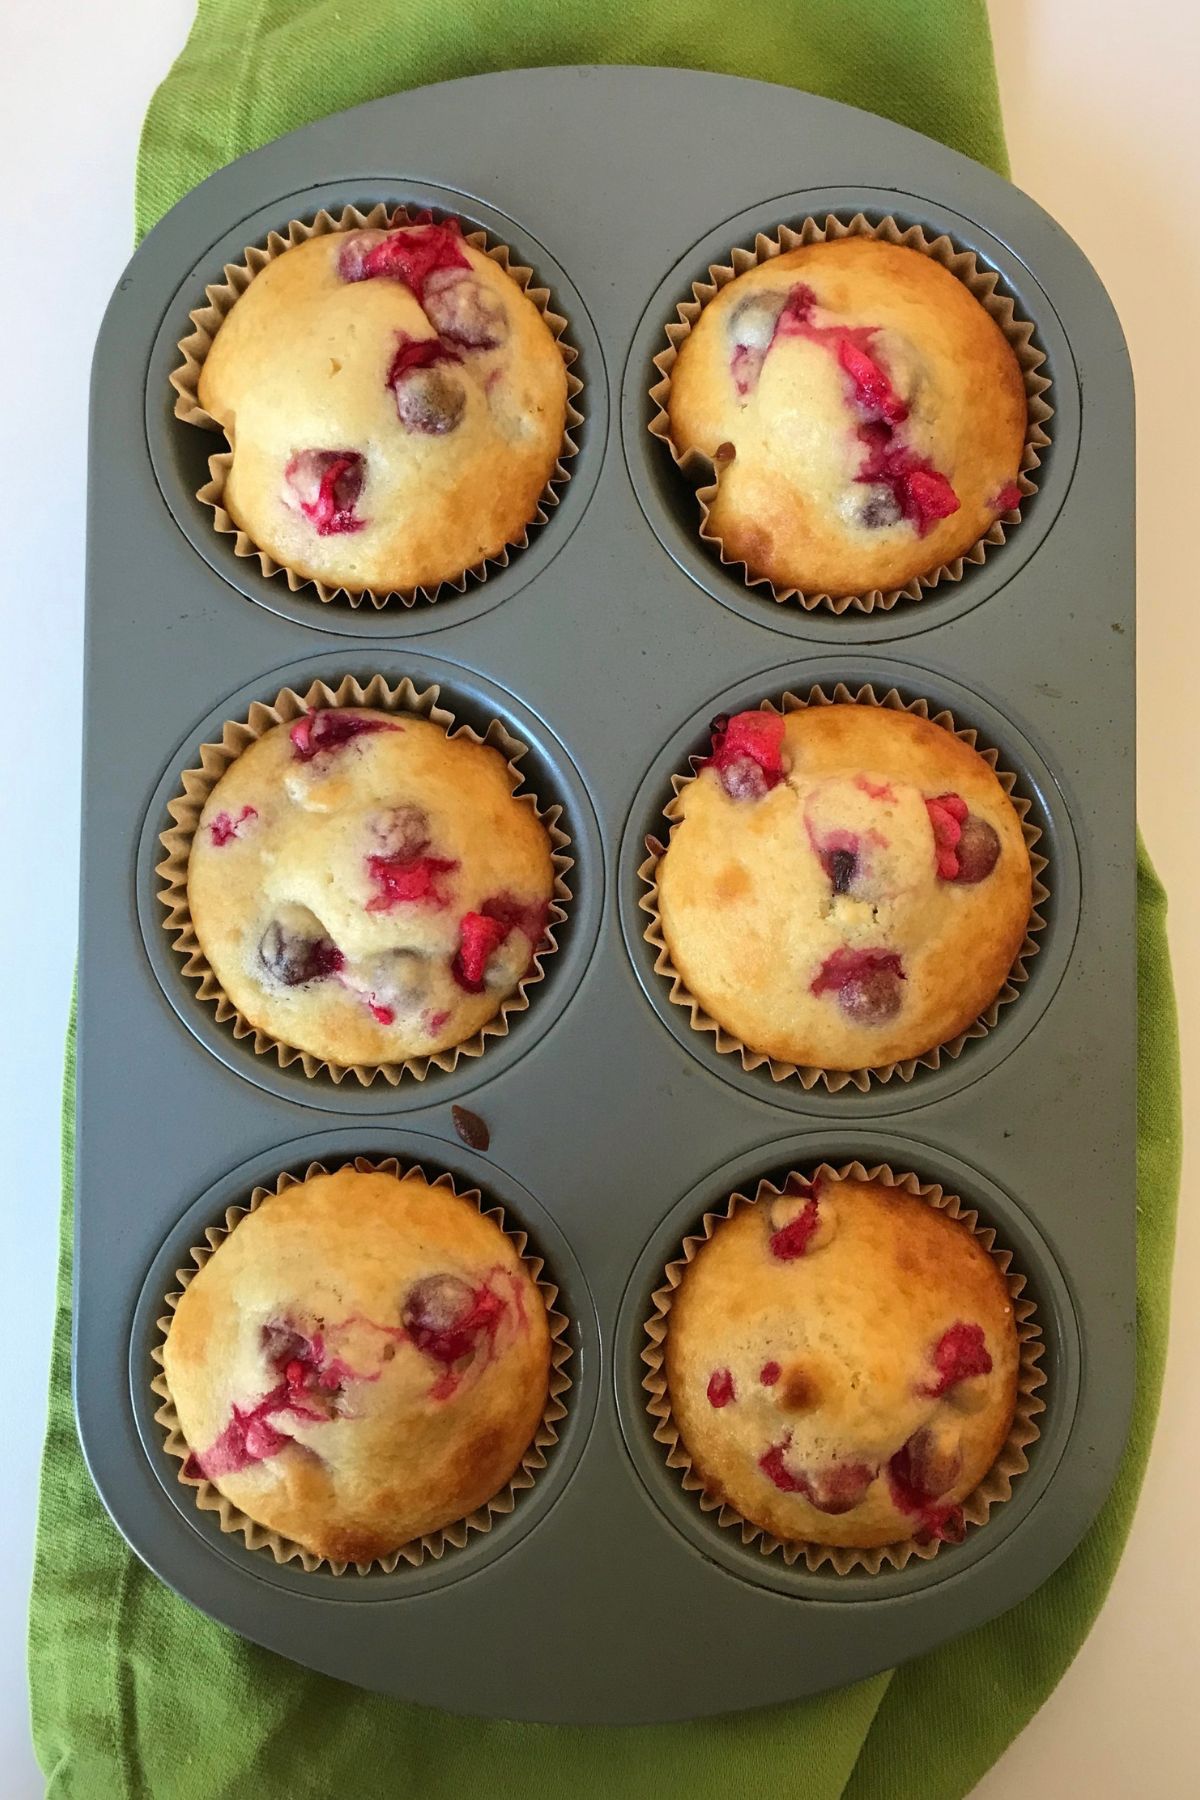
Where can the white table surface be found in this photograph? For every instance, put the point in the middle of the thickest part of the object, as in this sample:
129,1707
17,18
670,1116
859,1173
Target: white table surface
1100,102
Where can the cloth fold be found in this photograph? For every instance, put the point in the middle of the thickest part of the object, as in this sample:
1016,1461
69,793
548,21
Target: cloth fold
135,1695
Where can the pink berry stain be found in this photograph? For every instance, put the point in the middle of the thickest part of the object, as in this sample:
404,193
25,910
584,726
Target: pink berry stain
410,255
914,489
958,1355
769,1373
320,732
411,880
223,829
720,1388
875,790
310,1380
866,983
836,1488
747,753
450,1321
326,485
435,1022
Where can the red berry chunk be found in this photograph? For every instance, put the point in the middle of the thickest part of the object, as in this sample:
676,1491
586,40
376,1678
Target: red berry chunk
429,398
923,1469
720,1388
414,879
223,829
1008,499
529,916
769,1374
922,492
326,485
479,937
447,1318
319,732
791,1241
866,982
873,391
409,255
959,1354
747,753
462,309
295,959
836,1488
978,851
947,814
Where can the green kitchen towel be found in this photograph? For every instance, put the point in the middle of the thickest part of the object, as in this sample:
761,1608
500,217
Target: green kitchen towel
138,1697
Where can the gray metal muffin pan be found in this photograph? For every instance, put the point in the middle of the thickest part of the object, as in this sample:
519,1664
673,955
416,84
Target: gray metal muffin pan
607,645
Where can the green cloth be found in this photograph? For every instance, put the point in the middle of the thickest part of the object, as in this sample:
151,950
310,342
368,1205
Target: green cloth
138,1697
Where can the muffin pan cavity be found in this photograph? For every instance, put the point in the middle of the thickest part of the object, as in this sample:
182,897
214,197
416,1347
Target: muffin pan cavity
522,1213
608,1123
180,451
1045,1286
668,496
1035,976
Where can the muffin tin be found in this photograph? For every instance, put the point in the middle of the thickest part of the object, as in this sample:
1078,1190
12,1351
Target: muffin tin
606,645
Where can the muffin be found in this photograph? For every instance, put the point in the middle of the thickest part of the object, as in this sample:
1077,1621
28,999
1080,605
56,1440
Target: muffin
865,414
367,888
395,406
842,1364
363,1360
845,887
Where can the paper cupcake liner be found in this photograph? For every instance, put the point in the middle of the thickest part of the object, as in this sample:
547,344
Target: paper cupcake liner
220,298
993,1490
433,1544
808,1074
983,283
198,784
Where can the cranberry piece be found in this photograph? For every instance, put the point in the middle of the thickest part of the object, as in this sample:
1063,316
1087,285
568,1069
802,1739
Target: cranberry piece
927,496
978,850
791,1241
747,753
413,879
529,916
720,1388
1008,499
446,1317
294,959
873,391
836,1488
769,1373
284,1345
842,866
223,829
401,830
798,309
319,732
924,1469
866,982
326,485
462,309
410,254
428,397
958,1355
946,816
479,937
880,508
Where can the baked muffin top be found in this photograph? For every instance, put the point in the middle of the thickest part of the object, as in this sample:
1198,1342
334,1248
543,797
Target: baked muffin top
364,1359
845,886
876,413
367,888
842,1364
395,405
